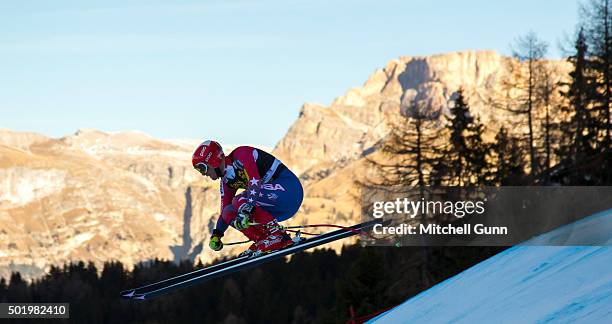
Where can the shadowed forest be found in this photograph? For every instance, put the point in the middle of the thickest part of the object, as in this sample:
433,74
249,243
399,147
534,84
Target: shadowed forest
317,287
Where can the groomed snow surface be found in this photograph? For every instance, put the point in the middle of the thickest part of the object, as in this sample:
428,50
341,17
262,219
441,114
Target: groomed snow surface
526,283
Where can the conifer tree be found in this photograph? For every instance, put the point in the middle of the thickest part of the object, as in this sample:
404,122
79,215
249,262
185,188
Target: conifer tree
597,28
579,131
527,72
409,150
509,159
3,290
464,161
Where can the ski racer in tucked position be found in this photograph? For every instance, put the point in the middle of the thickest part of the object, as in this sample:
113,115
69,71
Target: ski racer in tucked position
272,194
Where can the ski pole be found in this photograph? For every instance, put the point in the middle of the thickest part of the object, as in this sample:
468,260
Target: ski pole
305,233
328,225
236,243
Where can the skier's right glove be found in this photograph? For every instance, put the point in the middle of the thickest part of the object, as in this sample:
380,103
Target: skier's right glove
243,219
215,240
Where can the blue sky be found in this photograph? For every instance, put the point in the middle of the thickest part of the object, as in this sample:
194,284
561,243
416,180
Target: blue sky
236,71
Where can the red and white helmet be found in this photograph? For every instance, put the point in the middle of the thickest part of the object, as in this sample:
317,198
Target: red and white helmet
208,154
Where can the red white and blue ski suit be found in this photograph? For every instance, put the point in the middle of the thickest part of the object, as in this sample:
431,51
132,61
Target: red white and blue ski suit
269,185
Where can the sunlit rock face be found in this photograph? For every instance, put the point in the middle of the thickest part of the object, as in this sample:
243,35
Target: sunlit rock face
100,196
355,121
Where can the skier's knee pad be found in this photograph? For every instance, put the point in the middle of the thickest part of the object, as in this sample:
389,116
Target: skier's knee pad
261,216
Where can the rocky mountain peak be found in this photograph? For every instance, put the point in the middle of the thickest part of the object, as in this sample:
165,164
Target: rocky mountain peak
356,120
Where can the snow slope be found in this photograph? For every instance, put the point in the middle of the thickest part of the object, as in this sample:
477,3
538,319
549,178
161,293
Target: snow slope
526,283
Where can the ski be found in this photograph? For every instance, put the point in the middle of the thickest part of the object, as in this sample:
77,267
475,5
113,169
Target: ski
240,263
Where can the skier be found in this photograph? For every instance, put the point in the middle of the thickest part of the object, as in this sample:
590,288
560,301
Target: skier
272,194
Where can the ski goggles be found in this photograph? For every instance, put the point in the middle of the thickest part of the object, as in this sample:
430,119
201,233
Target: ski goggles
202,168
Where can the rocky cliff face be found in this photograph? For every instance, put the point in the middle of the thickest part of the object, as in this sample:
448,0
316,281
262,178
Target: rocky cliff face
129,197
324,136
100,196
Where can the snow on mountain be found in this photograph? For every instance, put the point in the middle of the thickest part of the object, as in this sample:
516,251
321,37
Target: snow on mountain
100,144
527,283
19,186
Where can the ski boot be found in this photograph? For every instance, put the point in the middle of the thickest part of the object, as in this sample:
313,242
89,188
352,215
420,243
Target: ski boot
273,242
271,238
267,235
